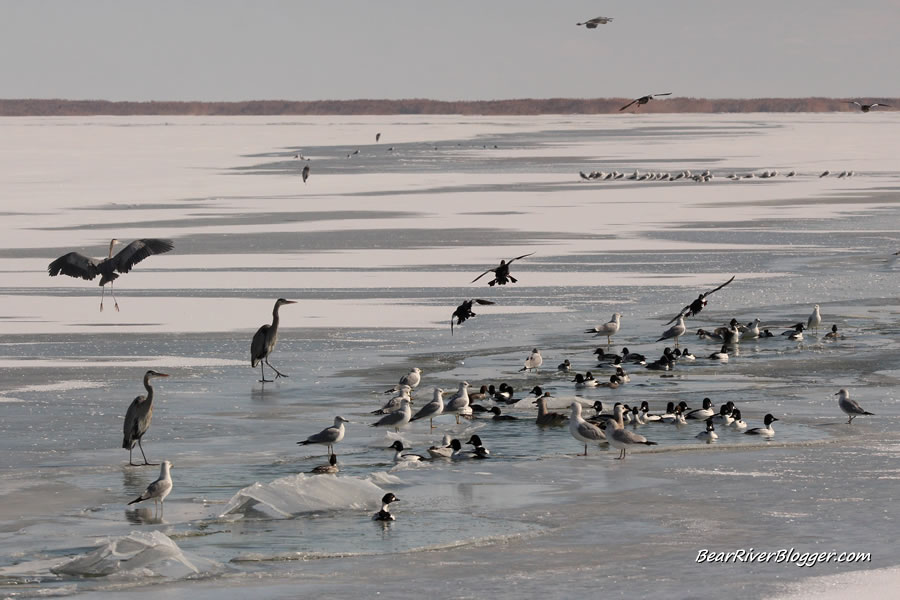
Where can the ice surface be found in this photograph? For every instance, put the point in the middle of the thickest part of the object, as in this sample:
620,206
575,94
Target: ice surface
289,496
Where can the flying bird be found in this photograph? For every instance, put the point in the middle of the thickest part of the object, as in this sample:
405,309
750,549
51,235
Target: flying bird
867,107
592,23
464,311
644,100
377,137
138,417
501,273
305,173
697,305
74,264
264,342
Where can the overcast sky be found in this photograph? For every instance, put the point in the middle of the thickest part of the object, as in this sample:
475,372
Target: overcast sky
443,49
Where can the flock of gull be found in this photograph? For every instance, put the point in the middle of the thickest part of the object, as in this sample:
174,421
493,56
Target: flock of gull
699,176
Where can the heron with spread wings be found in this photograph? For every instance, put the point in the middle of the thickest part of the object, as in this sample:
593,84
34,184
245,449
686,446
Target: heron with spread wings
644,100
501,273
74,264
697,305
592,23
464,311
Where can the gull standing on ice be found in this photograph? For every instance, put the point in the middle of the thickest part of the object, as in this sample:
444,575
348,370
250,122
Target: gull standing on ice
395,403
814,320
159,489
675,331
583,431
609,329
620,437
432,409
328,436
849,406
458,404
411,379
396,419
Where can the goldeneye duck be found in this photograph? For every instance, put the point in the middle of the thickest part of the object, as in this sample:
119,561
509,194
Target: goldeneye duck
480,451
450,450
709,435
702,413
565,366
330,468
385,513
400,457
738,423
721,356
498,417
766,431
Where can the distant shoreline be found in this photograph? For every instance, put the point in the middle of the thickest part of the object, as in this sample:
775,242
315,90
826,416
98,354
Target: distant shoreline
418,106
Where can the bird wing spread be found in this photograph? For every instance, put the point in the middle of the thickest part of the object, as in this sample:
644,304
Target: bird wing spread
74,264
483,301
483,274
137,251
518,257
627,105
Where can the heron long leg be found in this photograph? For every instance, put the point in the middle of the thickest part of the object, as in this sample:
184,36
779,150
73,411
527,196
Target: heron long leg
112,293
146,462
131,462
262,374
277,372
102,294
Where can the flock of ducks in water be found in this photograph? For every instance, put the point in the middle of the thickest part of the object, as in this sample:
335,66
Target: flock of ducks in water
699,176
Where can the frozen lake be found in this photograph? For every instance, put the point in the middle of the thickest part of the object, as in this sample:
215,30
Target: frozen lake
378,248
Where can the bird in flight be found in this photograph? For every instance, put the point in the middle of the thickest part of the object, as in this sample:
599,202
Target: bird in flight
644,100
592,23
867,107
74,264
501,273
697,305
464,311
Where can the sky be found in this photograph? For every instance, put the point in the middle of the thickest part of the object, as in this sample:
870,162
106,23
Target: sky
229,50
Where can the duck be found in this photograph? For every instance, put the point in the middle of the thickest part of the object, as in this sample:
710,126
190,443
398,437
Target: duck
581,382
398,447
737,423
545,417
766,431
637,417
612,384
724,417
481,394
833,334
632,356
565,366
622,375
686,355
722,355
645,412
450,450
709,435
385,513
479,450
498,417
330,468
702,413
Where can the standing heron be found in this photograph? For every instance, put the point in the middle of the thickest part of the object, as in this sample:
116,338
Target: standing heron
644,100
264,342
138,416
74,264
305,173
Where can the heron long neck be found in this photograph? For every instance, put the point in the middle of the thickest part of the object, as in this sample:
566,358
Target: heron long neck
149,388
111,244
275,316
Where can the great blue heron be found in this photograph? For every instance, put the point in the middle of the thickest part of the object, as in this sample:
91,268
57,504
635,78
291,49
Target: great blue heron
138,416
464,311
159,489
264,342
501,273
592,23
697,305
867,107
644,99
305,173
74,264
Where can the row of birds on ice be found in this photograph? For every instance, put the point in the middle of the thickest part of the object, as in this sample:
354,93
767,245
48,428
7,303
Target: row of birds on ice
701,177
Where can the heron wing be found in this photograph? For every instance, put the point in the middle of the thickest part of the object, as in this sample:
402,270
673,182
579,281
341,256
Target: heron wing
129,427
663,94
258,345
483,302
137,251
518,257
627,105
483,274
74,264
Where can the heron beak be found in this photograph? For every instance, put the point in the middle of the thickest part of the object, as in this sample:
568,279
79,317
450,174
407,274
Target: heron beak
162,374
290,302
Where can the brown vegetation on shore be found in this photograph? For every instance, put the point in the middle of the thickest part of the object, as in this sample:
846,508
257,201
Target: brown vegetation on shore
421,106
